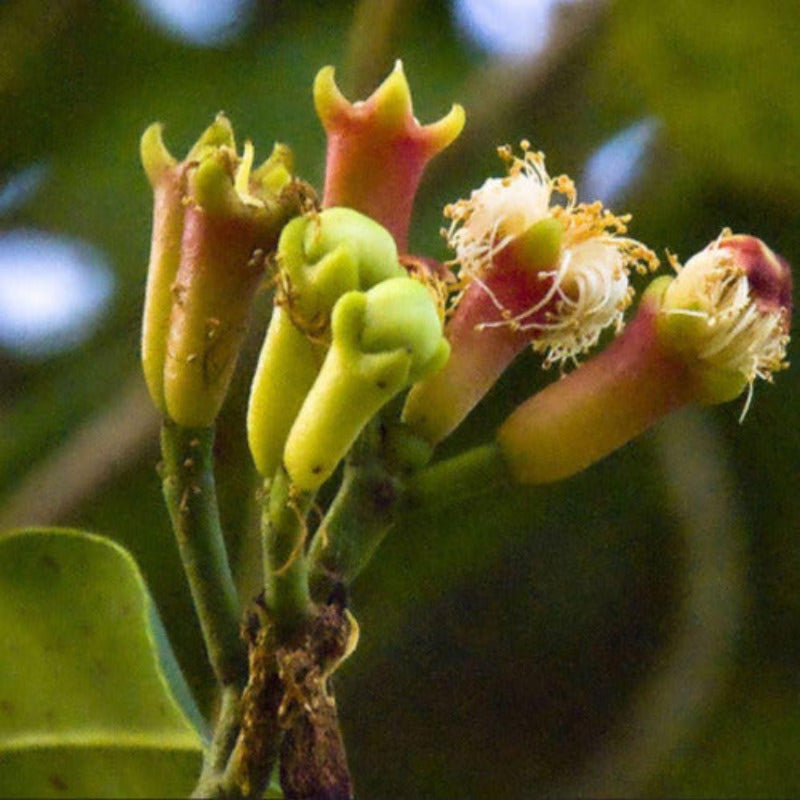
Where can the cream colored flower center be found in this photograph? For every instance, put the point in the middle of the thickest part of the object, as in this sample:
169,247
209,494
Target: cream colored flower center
498,211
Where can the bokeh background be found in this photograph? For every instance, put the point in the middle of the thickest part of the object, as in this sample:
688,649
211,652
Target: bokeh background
634,630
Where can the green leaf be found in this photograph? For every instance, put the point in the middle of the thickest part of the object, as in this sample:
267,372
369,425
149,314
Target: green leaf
91,700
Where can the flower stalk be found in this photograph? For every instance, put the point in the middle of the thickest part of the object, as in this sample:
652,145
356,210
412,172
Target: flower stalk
190,495
359,517
284,532
460,479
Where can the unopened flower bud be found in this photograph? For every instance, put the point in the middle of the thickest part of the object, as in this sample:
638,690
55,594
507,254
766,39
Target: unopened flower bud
168,180
703,336
535,273
324,255
215,220
383,340
377,150
320,257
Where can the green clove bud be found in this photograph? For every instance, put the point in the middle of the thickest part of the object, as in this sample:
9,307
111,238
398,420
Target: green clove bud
384,340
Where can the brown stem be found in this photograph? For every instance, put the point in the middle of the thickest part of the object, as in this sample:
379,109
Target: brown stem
256,749
288,709
312,757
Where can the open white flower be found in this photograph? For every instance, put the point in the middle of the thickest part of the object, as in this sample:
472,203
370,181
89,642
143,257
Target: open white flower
735,300
583,292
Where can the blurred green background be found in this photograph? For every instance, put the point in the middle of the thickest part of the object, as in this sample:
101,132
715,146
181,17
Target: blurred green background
632,631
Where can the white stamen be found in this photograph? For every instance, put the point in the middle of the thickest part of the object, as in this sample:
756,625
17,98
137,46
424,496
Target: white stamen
738,335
